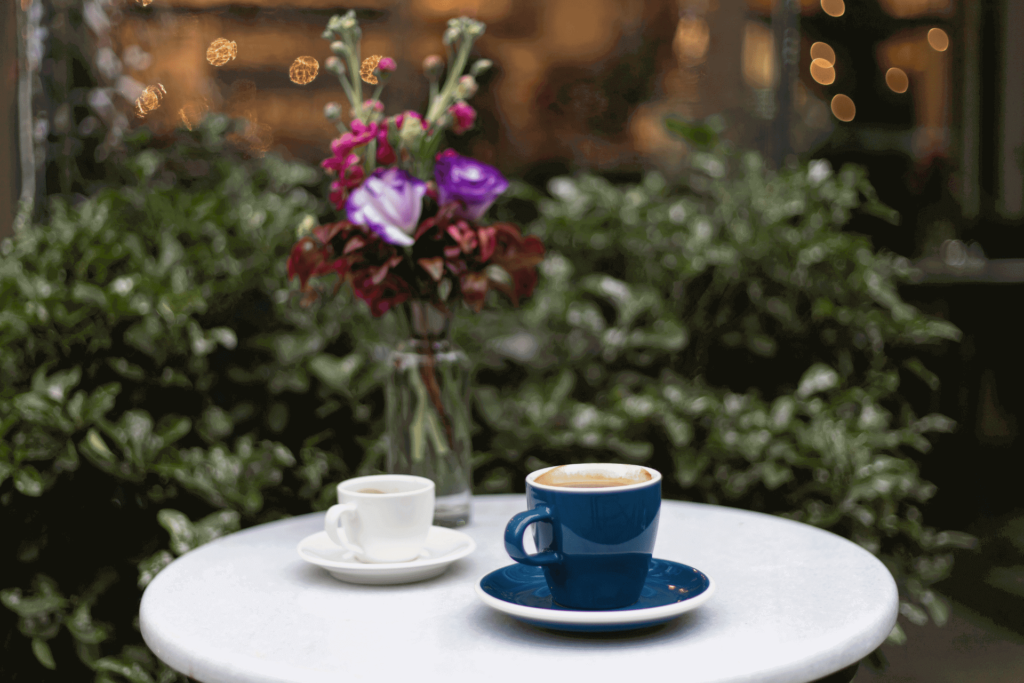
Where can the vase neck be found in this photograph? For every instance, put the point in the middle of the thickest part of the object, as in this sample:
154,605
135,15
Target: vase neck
427,322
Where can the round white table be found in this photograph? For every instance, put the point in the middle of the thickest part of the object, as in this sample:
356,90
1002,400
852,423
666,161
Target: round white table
793,604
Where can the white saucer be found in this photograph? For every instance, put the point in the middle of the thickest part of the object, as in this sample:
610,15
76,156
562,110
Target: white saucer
443,547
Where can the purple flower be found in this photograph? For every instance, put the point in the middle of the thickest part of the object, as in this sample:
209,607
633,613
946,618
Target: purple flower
472,182
389,203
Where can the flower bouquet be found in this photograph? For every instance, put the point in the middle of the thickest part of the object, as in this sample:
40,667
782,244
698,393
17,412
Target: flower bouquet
413,239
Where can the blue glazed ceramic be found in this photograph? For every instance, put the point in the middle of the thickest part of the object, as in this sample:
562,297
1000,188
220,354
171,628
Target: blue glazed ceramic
595,544
670,590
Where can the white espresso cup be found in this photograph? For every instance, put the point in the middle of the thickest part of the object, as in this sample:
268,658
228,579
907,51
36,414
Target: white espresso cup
385,517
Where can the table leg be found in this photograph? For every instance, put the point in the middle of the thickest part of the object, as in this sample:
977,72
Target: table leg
842,676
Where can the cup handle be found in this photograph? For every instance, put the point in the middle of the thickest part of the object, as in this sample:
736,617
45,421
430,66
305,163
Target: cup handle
341,513
514,537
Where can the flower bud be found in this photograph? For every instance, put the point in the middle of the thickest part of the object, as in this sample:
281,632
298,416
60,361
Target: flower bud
480,66
348,21
305,226
472,28
450,36
334,24
387,64
411,132
466,88
332,110
375,105
338,48
433,67
335,65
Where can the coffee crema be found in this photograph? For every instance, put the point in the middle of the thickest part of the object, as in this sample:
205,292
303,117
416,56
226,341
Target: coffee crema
560,477
370,491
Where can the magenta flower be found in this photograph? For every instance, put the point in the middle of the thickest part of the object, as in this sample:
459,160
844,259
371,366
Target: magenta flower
463,117
389,203
387,64
472,183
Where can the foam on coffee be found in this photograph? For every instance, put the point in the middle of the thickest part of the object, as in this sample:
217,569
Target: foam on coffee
370,491
593,477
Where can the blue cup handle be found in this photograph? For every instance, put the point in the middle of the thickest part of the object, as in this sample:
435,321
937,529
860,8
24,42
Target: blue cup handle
514,537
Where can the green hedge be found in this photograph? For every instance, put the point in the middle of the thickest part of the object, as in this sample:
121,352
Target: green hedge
161,387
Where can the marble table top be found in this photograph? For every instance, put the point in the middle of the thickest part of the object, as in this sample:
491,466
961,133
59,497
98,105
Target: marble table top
793,604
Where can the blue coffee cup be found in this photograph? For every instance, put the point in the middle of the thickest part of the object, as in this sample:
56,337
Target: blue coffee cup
595,539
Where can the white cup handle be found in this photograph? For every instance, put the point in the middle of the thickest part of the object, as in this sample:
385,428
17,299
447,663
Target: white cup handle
341,513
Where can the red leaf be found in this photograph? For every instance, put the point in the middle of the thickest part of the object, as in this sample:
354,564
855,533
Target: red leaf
488,242
355,242
474,290
434,267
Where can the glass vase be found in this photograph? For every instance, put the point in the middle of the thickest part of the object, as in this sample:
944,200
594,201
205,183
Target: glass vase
427,409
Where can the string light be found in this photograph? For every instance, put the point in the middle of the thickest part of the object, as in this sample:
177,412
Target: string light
897,80
843,108
150,100
367,67
192,113
303,70
221,51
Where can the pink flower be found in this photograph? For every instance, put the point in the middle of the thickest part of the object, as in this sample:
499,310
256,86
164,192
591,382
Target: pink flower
350,174
463,115
386,64
385,154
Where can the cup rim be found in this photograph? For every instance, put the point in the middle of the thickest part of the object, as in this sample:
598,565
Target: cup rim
427,485
531,480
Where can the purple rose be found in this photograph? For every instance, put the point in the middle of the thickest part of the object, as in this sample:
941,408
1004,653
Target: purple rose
472,182
389,203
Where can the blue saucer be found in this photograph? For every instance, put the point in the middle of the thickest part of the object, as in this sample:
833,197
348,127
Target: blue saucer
521,592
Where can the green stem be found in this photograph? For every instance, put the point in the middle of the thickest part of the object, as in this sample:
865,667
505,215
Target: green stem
438,107
352,57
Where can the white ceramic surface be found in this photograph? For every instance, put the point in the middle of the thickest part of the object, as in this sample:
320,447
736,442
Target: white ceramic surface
442,547
385,517
793,604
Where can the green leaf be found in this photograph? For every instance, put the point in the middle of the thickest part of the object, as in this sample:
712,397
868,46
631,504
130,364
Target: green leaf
896,635
28,481
41,650
817,379
96,451
124,667
180,528
153,565
700,135
336,372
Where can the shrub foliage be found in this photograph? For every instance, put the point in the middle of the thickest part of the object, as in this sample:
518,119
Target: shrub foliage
160,386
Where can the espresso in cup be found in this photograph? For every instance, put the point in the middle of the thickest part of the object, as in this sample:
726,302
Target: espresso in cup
595,526
592,477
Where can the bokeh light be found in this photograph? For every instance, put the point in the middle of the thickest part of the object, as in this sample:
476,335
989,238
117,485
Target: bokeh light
150,100
938,39
897,80
367,67
303,70
144,3
833,8
192,114
843,108
823,51
692,40
822,72
221,51
758,56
